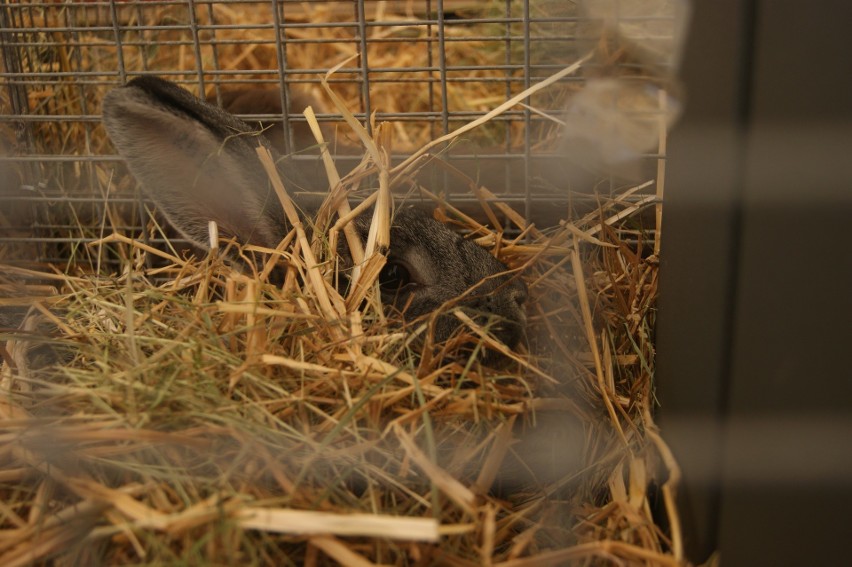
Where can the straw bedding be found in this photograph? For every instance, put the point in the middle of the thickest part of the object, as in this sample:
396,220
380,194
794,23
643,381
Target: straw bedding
202,415
194,415
189,407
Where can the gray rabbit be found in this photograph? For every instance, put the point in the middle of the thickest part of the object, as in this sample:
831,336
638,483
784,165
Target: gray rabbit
198,163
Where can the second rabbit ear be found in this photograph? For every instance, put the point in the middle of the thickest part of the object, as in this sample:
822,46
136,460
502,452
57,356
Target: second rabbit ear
197,162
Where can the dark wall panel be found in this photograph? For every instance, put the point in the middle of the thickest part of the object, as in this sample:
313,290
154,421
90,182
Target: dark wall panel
755,308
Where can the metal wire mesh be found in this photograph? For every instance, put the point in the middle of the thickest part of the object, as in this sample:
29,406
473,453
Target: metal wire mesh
426,66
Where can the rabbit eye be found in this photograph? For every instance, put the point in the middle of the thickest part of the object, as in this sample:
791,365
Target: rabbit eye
394,276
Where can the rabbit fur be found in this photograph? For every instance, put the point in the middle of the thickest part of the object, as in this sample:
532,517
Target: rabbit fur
198,162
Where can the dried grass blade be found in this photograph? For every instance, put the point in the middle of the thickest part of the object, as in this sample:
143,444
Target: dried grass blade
669,487
370,270
337,550
305,522
318,284
348,117
405,165
310,367
509,212
609,221
343,209
120,238
445,482
586,310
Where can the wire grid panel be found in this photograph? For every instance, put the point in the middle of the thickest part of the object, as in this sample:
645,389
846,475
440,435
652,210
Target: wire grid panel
427,67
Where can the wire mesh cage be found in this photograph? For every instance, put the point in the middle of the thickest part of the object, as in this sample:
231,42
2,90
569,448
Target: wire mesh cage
211,405
427,67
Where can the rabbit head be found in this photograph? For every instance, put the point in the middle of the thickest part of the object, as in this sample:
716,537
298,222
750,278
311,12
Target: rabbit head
198,163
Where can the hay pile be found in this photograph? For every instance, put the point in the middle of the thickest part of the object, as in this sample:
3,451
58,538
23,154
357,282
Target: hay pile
211,418
219,418
206,416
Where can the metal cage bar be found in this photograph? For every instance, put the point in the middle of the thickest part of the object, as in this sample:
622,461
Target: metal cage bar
57,60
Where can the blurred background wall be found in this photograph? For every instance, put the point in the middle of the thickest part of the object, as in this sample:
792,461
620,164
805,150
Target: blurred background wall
755,311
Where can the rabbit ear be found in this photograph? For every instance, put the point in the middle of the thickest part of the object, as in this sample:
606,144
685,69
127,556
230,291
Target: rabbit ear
197,162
